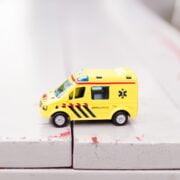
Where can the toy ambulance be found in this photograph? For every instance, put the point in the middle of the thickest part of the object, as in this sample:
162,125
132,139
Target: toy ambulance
93,94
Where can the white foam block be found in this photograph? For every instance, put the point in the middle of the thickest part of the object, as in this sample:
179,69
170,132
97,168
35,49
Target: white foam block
31,64
134,39
27,140
149,142
56,174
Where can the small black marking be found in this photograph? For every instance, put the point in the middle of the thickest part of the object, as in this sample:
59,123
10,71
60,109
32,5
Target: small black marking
74,111
98,77
128,77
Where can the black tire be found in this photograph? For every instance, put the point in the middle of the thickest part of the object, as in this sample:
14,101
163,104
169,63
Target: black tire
120,118
59,120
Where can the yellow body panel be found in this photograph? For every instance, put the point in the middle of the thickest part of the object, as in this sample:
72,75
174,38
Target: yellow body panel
112,90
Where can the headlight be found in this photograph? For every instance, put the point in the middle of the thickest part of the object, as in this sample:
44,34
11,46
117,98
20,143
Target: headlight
40,103
45,108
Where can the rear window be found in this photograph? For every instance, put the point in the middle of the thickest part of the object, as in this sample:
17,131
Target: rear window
100,92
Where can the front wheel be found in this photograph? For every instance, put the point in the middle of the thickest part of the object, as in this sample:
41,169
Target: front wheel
120,118
59,120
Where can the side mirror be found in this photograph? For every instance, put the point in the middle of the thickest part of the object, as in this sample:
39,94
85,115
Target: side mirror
71,95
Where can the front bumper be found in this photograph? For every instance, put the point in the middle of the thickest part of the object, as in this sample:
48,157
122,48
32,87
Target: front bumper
44,113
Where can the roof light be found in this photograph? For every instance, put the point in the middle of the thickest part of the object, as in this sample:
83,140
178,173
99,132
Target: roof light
83,78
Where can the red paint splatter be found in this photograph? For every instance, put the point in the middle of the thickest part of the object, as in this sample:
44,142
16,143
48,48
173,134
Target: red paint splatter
94,140
64,134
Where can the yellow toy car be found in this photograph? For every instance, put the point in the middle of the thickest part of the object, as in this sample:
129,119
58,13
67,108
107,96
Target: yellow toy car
93,95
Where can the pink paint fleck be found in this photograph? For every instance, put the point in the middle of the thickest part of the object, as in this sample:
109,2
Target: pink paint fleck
138,138
172,46
94,140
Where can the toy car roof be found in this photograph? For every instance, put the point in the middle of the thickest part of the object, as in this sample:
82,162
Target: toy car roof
104,75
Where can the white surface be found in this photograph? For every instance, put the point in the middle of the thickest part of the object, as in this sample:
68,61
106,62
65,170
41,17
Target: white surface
42,41
67,174
52,152
140,41
149,142
29,66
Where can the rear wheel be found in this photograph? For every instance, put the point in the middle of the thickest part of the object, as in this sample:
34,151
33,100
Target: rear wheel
120,118
59,120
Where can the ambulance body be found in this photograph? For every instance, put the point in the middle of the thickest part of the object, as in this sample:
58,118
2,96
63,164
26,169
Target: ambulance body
93,95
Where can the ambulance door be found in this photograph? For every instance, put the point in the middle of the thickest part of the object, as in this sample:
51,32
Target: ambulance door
76,103
100,101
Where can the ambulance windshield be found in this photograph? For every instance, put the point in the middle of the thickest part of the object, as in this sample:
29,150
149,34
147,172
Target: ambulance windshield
60,90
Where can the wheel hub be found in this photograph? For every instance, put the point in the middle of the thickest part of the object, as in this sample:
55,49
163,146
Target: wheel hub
121,119
60,120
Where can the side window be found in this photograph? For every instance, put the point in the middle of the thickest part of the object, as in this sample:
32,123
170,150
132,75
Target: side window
71,95
79,92
100,92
